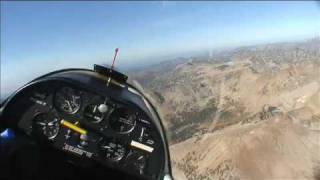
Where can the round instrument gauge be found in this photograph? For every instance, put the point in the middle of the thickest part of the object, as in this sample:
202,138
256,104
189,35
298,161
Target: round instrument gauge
68,100
95,112
122,120
46,124
136,161
111,150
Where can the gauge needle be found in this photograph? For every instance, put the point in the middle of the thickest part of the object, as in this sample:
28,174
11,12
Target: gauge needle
52,122
94,109
74,99
41,123
69,105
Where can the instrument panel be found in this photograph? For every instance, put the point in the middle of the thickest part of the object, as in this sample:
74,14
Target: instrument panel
91,126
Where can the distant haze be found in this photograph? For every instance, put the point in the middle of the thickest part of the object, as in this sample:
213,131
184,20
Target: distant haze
38,37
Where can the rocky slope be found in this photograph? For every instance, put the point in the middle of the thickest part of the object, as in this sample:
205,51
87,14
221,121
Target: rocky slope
248,113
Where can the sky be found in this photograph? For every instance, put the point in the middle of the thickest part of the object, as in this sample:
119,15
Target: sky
39,37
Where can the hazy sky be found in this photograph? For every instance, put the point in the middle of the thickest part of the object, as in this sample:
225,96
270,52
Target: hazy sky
37,37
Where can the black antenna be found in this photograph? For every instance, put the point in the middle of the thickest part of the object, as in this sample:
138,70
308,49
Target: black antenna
114,58
112,75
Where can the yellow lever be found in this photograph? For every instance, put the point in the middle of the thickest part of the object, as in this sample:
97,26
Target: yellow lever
73,127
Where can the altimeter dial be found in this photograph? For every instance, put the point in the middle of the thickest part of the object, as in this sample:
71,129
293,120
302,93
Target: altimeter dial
68,100
47,125
111,150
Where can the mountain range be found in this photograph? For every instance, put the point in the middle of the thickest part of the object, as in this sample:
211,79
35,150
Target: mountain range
246,113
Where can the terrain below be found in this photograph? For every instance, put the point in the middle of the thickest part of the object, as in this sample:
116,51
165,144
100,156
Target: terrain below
248,113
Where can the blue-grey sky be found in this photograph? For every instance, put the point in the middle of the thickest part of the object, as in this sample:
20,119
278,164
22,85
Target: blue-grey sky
37,37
